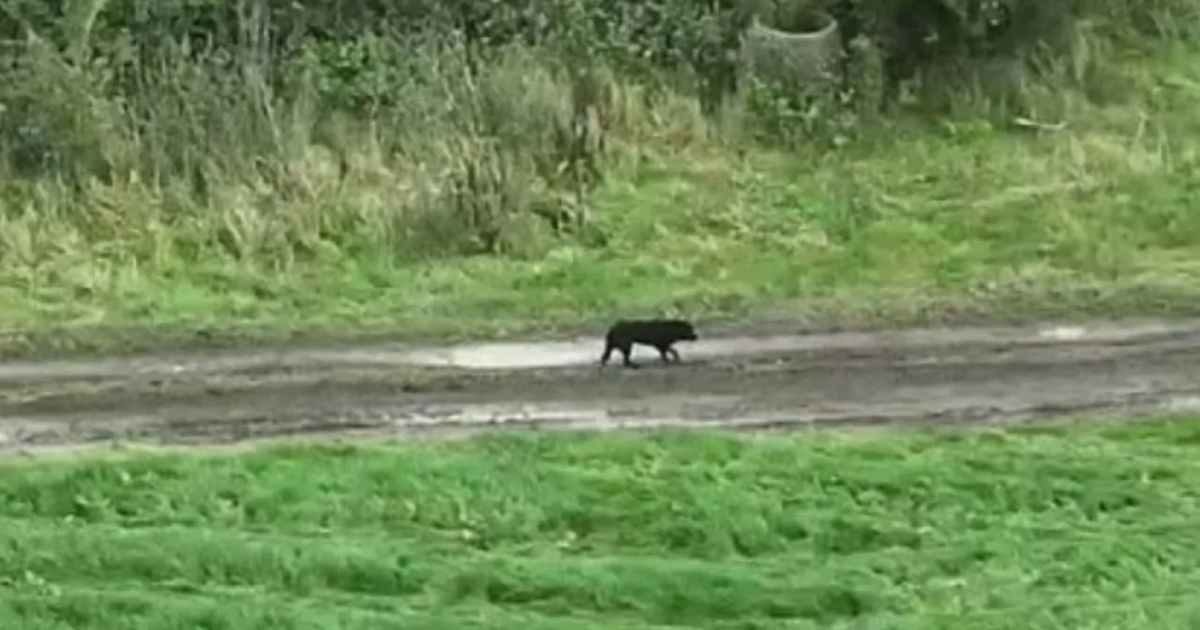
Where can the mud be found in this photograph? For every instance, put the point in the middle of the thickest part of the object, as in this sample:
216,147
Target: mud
747,381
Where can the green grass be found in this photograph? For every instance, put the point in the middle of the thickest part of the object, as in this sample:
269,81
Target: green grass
919,220
1051,528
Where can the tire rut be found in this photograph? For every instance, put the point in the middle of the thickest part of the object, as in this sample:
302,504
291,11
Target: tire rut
941,377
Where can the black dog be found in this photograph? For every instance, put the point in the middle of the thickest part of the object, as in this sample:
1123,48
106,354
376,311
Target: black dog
914,34
660,333
917,33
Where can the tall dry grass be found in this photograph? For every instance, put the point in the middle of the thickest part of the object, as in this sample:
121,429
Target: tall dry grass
382,148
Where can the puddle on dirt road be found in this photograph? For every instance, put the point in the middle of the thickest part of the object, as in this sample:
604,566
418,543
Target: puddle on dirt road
580,352
573,353
947,376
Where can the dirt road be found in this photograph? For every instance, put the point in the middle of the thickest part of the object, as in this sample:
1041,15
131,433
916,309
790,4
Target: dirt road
747,381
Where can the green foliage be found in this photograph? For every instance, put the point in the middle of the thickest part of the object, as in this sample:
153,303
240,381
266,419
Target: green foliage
789,119
157,158
1042,529
362,56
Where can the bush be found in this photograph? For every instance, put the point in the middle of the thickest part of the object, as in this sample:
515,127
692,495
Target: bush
277,132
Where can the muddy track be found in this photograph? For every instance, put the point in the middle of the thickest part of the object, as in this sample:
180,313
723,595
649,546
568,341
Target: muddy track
738,381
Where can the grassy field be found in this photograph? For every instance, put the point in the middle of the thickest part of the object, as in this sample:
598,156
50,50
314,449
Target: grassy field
1051,528
916,219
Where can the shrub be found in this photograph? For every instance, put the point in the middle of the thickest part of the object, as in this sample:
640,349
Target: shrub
270,132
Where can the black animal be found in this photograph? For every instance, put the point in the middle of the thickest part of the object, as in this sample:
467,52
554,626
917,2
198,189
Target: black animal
913,34
660,333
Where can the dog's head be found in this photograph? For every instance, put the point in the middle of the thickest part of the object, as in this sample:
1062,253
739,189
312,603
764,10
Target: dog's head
687,332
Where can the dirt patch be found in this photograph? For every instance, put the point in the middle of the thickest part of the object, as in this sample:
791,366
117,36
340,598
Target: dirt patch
768,381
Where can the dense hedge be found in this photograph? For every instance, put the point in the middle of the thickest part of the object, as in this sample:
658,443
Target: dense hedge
354,44
177,112
653,25
363,53
660,31
638,34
